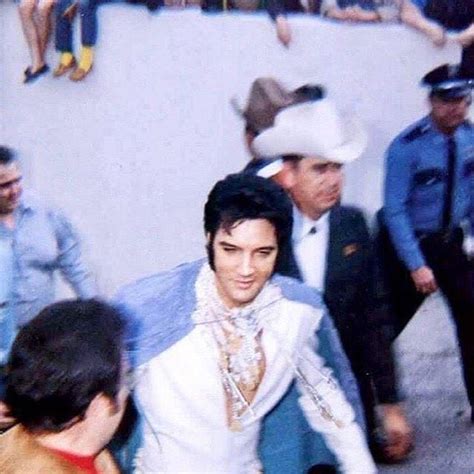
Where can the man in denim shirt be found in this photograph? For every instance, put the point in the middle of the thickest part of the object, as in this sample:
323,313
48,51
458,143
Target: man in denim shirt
35,241
429,206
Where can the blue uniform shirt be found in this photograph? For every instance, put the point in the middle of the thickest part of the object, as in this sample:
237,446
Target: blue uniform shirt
415,184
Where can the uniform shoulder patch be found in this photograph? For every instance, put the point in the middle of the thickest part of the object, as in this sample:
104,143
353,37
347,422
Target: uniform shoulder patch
415,133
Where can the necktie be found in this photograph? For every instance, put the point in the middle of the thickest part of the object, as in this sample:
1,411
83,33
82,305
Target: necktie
448,196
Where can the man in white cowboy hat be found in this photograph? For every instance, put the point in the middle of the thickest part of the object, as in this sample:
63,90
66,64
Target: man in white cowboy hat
308,144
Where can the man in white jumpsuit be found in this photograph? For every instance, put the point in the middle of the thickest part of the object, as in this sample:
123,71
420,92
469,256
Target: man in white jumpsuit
218,343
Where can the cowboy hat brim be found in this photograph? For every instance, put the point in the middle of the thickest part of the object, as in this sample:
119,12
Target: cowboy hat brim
313,130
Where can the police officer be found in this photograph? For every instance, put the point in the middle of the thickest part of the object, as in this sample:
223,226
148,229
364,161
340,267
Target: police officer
429,207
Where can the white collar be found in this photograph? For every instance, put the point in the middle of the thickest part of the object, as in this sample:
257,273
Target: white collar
302,224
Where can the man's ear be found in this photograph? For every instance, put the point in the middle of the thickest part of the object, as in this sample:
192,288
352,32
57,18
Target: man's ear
208,238
286,178
99,405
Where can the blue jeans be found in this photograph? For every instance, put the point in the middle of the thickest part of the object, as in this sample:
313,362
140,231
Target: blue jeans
88,15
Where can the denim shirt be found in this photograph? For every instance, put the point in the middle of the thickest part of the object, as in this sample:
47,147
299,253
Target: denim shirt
415,184
7,323
43,242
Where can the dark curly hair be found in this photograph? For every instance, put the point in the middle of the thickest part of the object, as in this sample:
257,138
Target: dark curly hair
71,352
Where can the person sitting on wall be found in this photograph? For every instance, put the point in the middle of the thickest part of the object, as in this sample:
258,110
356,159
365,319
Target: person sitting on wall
355,11
457,16
66,388
65,13
35,19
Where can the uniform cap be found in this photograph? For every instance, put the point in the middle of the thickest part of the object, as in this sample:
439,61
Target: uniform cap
448,81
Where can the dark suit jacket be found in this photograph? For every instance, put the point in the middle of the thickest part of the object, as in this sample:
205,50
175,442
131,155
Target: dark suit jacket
356,299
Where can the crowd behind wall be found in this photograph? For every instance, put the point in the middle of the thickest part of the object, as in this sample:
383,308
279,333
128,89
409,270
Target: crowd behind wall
433,18
129,117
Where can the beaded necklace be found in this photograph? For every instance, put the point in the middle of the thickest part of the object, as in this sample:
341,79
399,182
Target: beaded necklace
236,333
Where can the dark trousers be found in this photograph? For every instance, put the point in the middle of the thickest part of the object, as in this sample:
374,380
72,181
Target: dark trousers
88,17
352,343
454,273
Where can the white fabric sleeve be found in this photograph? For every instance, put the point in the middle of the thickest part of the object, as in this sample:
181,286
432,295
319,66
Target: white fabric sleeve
329,413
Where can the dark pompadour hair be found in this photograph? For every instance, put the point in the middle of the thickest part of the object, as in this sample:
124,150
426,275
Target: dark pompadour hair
7,155
71,352
241,197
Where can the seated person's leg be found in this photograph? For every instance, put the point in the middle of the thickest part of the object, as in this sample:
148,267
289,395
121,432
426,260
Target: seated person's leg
64,18
88,14
28,11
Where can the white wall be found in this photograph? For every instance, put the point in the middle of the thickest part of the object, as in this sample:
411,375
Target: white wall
131,152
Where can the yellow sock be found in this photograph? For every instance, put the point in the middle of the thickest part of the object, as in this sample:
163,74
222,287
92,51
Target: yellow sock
87,58
66,58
